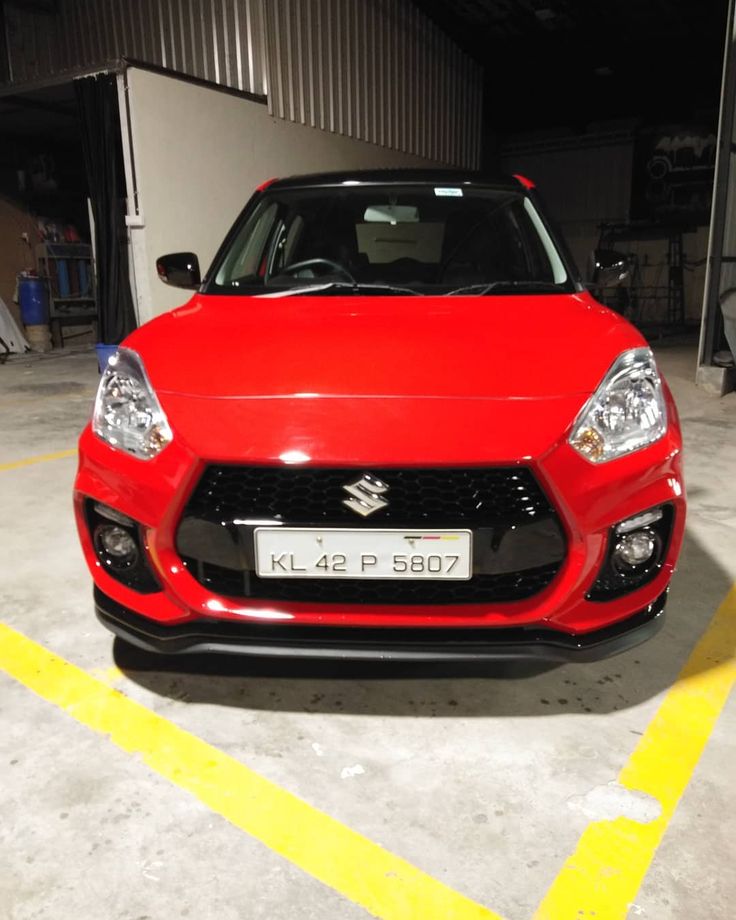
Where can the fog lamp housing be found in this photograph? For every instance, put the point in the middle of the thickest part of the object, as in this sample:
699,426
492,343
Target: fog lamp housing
120,547
635,552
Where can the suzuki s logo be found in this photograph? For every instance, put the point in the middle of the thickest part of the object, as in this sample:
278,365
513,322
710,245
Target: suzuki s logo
365,495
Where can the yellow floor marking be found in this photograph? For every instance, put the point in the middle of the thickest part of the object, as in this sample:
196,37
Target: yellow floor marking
384,884
110,676
603,875
39,458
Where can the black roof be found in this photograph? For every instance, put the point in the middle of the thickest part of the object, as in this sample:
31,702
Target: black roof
399,176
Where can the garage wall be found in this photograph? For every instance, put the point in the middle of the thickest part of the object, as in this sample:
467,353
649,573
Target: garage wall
198,155
374,70
379,71
221,41
15,254
586,181
583,184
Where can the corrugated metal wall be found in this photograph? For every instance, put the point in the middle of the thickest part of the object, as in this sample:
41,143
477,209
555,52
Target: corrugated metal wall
30,42
375,70
218,40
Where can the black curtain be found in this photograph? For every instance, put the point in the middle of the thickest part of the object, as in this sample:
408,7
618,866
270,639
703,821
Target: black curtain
97,99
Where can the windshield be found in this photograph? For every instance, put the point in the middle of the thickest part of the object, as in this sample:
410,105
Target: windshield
390,239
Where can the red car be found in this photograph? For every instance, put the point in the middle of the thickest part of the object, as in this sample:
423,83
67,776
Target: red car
390,423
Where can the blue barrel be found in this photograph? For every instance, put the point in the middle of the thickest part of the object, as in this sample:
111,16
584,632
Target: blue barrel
83,279
104,353
62,277
34,301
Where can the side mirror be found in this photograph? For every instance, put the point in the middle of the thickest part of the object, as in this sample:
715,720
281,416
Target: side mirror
179,269
609,268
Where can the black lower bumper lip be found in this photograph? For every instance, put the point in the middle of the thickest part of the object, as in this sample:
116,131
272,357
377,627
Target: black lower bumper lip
381,643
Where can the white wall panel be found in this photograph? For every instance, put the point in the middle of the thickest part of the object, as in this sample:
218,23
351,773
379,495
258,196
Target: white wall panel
193,183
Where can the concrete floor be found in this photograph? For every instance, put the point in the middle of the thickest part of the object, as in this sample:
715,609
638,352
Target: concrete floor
476,776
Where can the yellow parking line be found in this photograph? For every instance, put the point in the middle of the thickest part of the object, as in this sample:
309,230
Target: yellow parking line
603,875
381,882
39,458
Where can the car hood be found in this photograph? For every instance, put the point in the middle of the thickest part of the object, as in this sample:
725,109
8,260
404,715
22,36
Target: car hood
499,347
384,380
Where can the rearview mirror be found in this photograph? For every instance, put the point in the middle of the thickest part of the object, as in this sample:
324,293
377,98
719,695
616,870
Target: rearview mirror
391,214
609,268
179,269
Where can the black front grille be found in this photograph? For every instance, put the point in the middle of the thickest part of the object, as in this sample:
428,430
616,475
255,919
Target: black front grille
437,497
507,586
518,544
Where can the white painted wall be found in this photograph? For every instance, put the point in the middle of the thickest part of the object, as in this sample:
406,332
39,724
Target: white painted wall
199,153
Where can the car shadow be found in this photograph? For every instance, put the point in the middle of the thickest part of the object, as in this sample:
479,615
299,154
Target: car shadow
442,690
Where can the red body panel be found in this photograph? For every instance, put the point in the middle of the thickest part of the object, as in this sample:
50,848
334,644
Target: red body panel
476,347
404,381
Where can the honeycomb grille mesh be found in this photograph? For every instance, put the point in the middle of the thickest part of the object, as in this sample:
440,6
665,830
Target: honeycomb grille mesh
468,498
447,497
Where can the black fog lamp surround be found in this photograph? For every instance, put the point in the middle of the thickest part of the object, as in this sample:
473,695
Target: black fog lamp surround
119,543
634,554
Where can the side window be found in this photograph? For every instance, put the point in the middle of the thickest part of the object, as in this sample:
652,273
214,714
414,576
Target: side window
293,238
284,244
506,252
247,251
531,253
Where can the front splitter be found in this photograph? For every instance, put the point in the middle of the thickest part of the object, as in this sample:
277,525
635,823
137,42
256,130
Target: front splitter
378,643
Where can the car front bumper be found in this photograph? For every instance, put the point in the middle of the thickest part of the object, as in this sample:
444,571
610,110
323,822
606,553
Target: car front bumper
561,619
379,643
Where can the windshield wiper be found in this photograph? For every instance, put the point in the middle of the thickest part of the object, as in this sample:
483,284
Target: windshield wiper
480,289
355,288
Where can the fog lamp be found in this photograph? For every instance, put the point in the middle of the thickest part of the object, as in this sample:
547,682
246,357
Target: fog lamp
118,546
634,548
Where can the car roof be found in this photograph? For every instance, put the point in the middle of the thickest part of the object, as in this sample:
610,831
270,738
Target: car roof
401,176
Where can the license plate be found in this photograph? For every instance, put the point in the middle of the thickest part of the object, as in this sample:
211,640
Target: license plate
301,552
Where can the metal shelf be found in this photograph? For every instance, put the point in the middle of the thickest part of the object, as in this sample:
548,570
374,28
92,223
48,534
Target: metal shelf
77,305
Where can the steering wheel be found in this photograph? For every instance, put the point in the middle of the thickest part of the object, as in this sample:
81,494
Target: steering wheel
311,263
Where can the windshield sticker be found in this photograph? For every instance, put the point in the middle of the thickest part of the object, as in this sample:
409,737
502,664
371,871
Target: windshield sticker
448,192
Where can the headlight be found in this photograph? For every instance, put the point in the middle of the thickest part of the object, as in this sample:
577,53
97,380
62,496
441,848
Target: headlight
627,411
127,413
